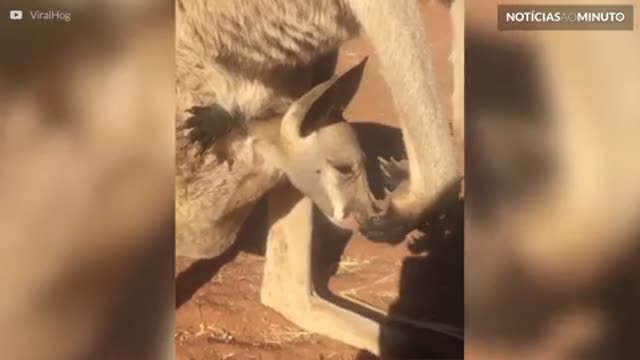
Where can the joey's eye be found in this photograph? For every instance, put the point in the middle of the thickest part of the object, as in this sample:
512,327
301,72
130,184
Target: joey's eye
344,169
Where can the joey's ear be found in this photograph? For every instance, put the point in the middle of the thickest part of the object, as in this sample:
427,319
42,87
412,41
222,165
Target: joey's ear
312,111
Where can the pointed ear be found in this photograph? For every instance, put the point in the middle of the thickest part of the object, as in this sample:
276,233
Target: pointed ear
324,104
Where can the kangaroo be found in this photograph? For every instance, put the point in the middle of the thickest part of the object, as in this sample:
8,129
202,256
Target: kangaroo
309,155
311,146
291,47
229,78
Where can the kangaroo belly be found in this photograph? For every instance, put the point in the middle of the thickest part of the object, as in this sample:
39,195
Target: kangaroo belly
254,35
214,199
199,236
255,55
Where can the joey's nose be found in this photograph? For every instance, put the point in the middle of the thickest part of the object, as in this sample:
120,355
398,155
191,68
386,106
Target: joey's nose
385,226
351,222
368,208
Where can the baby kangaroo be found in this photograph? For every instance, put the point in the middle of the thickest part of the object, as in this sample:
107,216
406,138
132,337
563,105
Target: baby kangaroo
310,155
311,146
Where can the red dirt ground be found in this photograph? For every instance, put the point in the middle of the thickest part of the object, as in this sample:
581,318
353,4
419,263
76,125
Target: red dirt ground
219,314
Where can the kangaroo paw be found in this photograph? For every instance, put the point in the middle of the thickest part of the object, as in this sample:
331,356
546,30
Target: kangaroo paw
401,213
207,125
394,172
400,210
414,238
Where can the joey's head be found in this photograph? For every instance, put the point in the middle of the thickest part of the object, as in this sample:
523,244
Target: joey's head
319,151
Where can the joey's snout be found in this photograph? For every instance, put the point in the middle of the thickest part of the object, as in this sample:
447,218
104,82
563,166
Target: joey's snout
358,203
383,222
366,207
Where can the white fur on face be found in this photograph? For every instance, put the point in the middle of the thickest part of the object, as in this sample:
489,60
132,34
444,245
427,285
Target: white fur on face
336,198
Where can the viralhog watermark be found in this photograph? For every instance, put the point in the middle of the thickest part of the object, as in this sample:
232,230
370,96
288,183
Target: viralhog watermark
565,17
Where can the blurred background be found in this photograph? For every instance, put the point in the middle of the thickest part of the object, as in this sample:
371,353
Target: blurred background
552,245
86,181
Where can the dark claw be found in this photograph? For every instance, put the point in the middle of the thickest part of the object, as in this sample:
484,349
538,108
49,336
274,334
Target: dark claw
394,172
208,124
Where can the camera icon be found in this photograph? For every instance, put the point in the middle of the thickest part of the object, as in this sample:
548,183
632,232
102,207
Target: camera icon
15,14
